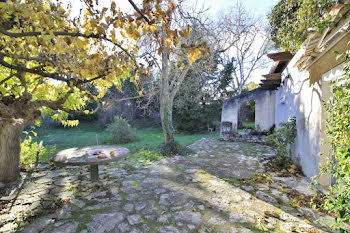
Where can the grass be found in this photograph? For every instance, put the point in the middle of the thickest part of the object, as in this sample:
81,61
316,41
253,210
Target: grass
87,134
249,125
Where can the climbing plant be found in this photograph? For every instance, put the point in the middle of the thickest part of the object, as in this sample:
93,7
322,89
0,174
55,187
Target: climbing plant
290,21
281,140
337,199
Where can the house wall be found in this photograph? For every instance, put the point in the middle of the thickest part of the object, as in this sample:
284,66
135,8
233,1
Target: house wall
300,95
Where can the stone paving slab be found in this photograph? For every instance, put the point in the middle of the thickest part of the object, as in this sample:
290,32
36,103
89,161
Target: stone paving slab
180,194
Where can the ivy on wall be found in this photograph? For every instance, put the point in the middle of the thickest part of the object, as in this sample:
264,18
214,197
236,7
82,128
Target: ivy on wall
290,21
337,200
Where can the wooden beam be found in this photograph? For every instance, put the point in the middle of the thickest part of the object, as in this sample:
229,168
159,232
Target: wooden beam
282,56
273,81
272,76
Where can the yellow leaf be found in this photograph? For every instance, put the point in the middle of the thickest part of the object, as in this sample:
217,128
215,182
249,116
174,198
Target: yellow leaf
100,30
176,41
189,29
145,28
182,66
140,93
168,43
307,221
113,5
122,33
153,27
194,55
114,40
172,4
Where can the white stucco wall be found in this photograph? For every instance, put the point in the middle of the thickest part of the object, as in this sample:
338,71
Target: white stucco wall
296,97
229,114
265,110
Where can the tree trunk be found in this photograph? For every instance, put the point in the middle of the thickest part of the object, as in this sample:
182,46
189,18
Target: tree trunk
166,101
166,115
10,149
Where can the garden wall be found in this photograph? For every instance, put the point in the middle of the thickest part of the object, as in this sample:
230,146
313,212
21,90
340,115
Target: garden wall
264,111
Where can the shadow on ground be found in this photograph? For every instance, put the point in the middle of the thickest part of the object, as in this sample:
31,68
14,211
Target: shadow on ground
196,193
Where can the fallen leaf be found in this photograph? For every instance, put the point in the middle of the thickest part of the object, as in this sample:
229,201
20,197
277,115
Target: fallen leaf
308,221
55,219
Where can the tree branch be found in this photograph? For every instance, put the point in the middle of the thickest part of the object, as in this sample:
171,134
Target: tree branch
179,81
139,11
72,34
124,99
57,104
32,71
7,78
22,57
44,74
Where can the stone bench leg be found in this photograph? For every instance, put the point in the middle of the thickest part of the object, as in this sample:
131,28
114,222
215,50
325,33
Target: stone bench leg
94,172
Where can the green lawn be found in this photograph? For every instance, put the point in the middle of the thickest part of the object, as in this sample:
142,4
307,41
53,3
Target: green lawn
249,125
150,139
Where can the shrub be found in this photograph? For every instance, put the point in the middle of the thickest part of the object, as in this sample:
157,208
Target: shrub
121,131
172,148
29,150
281,139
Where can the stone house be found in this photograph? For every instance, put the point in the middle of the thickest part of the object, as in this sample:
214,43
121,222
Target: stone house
296,86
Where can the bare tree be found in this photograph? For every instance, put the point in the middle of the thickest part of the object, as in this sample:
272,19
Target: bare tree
243,44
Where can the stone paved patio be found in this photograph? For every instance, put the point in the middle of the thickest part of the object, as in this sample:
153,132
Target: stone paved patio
194,193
